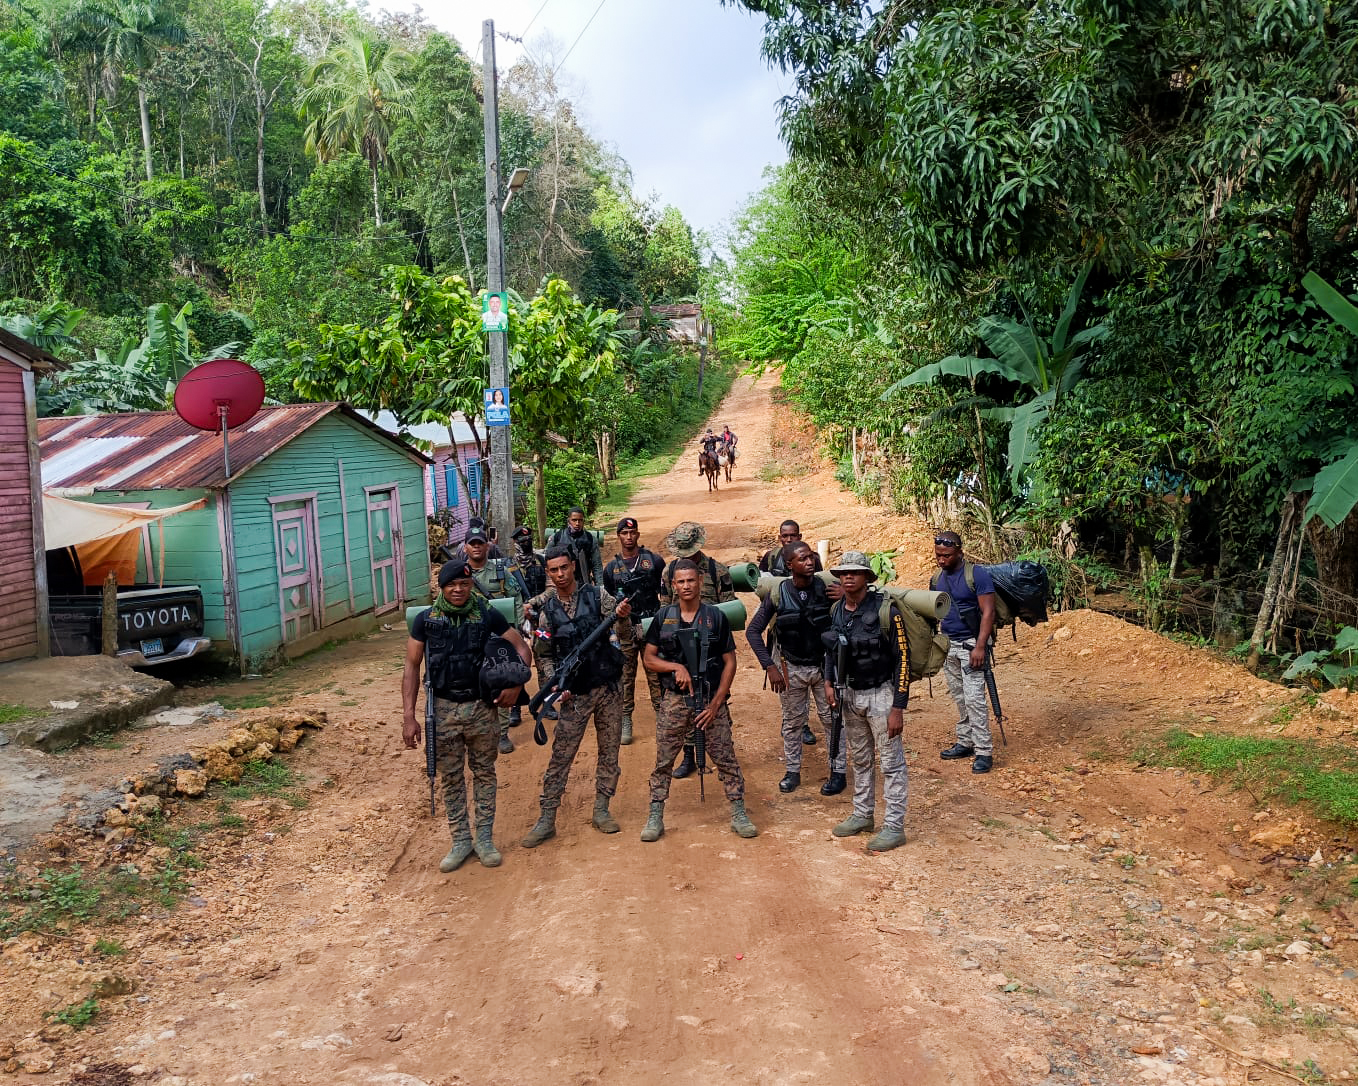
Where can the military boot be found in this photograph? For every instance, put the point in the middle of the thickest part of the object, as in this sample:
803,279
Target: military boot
603,821
888,837
506,744
543,830
485,848
626,739
457,855
854,824
655,824
687,766
740,821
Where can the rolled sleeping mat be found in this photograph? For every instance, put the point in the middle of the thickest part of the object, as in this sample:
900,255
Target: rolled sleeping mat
504,606
734,611
931,605
934,605
769,583
744,576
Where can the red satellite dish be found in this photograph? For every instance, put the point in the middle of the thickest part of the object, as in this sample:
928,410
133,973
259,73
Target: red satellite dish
228,383
217,396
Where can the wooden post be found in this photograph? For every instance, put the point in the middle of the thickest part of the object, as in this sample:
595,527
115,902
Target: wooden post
110,614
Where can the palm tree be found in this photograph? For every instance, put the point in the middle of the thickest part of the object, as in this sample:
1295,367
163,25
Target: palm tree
126,35
354,97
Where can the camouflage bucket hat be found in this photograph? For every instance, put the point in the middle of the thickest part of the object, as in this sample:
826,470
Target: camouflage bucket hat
854,562
687,539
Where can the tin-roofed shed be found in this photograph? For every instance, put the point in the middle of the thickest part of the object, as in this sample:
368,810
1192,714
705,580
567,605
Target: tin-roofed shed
320,529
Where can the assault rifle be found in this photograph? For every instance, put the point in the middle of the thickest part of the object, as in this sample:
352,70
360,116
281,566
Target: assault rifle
837,713
698,696
431,757
549,693
994,691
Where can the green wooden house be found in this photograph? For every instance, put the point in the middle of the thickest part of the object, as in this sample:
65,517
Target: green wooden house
318,533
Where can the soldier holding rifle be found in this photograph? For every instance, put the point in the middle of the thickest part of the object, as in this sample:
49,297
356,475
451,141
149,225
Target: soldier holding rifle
451,638
867,677
690,646
566,614
798,611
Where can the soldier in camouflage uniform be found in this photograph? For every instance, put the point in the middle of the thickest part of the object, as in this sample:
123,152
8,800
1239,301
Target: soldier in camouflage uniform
450,638
565,615
693,698
686,541
635,572
498,579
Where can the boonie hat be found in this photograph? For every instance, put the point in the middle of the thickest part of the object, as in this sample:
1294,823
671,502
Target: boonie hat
686,539
454,571
628,524
854,562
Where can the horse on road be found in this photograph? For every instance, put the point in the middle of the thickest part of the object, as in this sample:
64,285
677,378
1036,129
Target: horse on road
708,465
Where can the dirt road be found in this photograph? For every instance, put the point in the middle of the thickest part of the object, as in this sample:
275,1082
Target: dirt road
1069,918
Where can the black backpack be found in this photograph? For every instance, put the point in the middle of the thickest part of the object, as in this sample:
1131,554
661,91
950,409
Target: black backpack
1021,592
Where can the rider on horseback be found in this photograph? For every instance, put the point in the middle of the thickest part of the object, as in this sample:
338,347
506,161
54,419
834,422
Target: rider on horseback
710,441
729,439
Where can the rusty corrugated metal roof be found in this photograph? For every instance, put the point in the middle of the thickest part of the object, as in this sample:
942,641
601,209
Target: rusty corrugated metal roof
160,451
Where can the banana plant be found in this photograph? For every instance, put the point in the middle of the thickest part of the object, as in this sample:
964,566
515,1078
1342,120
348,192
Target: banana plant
1046,368
1334,491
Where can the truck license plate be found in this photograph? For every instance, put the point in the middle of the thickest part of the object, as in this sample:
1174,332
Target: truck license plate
154,647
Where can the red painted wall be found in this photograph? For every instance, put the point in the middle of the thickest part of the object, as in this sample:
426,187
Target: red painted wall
18,616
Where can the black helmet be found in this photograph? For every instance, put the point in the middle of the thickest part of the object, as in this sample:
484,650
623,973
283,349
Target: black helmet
502,668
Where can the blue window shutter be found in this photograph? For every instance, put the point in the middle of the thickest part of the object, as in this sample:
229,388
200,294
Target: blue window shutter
450,485
474,480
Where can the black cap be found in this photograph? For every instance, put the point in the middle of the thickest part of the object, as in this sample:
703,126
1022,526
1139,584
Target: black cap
522,532
454,571
629,523
477,535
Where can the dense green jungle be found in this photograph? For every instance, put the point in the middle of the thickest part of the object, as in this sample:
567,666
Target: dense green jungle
1074,276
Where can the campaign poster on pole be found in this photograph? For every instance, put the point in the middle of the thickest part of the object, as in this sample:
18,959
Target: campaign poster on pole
494,312
497,407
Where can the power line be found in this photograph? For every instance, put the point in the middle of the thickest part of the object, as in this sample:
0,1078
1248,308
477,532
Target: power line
578,37
524,32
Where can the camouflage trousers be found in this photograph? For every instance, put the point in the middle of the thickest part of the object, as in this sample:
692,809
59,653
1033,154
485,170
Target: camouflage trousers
604,703
673,728
468,732
967,687
631,657
805,683
865,722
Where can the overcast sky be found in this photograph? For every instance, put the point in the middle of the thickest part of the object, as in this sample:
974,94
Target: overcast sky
676,86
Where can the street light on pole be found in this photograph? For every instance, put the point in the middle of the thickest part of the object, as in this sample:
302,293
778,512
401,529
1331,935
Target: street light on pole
517,179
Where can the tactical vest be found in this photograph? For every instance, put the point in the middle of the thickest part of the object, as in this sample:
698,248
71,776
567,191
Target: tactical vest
637,584
777,563
799,626
454,652
871,662
705,624
534,573
605,660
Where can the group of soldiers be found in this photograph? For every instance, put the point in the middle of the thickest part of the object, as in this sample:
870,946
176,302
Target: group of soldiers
840,644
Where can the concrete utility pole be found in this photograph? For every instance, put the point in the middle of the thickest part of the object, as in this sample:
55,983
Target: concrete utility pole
501,466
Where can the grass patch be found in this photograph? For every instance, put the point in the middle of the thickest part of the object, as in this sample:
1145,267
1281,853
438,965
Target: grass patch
59,901
9,714
77,1015
273,780
109,948
1323,777
258,700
